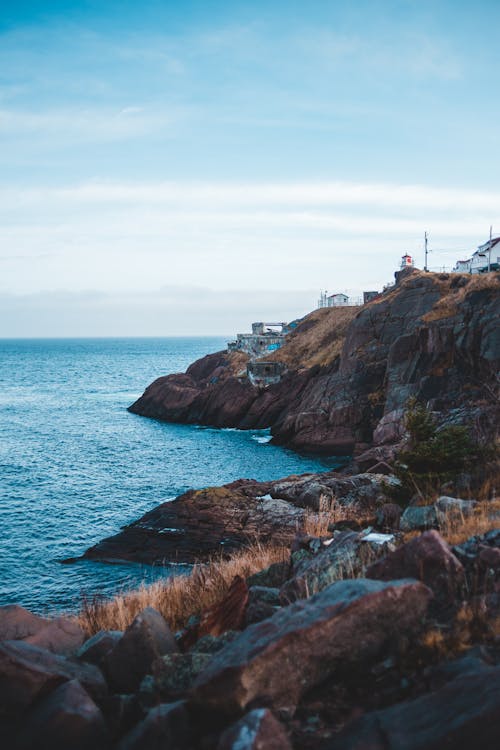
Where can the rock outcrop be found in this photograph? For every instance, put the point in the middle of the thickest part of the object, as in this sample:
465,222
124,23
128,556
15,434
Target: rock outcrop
433,336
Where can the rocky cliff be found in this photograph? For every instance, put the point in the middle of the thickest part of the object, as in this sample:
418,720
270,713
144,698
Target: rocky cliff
435,337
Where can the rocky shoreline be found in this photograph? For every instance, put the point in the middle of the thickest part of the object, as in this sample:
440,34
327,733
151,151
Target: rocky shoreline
373,632
352,643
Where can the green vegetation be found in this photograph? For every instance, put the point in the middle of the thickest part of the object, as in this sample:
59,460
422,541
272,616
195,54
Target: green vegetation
432,456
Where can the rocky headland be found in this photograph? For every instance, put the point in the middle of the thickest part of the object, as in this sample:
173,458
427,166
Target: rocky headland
377,627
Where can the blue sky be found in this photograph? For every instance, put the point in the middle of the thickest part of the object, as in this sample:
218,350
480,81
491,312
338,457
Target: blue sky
165,158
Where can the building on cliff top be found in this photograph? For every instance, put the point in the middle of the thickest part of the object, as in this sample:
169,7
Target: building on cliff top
485,258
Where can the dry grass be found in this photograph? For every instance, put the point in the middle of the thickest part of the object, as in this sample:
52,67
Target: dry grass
179,597
318,338
453,296
318,523
485,517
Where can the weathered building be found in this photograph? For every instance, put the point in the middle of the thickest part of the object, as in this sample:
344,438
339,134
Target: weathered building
263,374
263,339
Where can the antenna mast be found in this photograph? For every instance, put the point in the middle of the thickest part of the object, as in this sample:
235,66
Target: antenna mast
425,244
489,250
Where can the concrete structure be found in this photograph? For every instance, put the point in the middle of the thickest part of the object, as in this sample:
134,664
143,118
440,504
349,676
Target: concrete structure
263,374
486,256
263,339
368,296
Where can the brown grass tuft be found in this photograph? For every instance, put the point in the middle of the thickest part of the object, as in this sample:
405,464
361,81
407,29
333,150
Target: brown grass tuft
458,528
178,597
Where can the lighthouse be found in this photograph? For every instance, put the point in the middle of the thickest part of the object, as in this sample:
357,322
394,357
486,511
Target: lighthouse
406,262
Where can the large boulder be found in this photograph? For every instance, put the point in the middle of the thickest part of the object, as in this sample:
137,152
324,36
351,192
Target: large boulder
28,672
66,718
419,518
274,662
463,714
146,639
426,557
257,730
61,635
165,726
345,556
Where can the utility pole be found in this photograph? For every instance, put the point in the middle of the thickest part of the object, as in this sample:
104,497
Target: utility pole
489,250
425,243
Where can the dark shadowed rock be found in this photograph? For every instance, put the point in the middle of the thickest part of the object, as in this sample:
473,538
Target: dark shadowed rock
166,727
66,718
28,672
98,647
61,635
273,576
419,518
146,639
258,730
388,517
202,523
274,662
263,602
463,714
427,558
173,675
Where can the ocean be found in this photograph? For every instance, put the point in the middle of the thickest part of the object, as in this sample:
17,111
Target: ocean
75,466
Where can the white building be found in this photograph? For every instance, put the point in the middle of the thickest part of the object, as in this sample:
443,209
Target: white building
485,257
338,300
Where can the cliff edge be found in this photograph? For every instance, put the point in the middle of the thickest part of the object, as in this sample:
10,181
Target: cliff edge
351,371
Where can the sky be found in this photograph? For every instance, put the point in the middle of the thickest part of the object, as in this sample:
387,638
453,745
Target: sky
185,168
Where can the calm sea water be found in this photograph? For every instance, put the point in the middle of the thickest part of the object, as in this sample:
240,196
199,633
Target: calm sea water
75,465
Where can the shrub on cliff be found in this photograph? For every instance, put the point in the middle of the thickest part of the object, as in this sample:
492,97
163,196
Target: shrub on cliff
432,456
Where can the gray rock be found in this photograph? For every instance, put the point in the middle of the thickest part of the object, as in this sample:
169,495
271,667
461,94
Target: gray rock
258,730
454,507
145,640
98,647
276,661
419,518
345,556
67,718
166,726
210,644
174,674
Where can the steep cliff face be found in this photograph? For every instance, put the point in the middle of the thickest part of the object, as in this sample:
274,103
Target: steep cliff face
351,372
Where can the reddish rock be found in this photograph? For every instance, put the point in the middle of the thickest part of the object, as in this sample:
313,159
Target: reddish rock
463,714
146,639
426,557
228,614
258,730
202,523
17,623
166,726
28,672
388,351
66,718
61,635
276,661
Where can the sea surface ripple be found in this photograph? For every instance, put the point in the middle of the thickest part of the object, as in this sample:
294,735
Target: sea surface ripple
75,466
